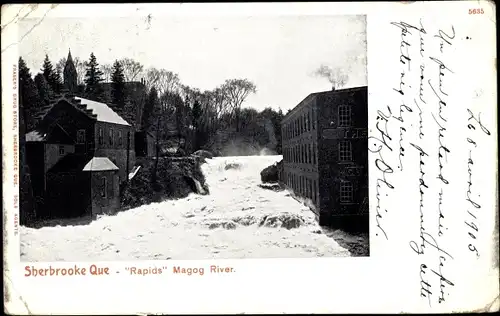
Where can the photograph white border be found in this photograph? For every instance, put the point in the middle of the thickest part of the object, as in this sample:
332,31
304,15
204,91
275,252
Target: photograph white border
386,282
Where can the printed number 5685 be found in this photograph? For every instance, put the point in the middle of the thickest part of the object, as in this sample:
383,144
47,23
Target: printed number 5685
476,11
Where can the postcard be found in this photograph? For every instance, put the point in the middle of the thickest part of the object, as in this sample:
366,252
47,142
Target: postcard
201,158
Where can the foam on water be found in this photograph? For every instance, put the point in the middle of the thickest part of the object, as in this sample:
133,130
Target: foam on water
238,219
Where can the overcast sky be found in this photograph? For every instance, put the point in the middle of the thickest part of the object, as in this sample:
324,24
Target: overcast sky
279,54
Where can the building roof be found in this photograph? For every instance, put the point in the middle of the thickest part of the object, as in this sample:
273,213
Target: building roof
103,111
36,136
314,94
71,163
77,162
54,134
100,164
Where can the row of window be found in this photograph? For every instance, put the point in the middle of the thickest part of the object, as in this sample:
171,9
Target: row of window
303,186
309,188
307,122
304,123
113,138
305,153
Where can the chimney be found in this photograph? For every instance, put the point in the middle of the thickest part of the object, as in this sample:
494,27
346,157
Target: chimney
333,88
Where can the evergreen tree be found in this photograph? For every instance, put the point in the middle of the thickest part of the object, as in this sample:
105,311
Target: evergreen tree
196,113
149,106
198,132
57,82
93,78
51,76
29,101
118,85
47,68
44,90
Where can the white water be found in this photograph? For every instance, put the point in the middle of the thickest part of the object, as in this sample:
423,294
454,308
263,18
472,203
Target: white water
223,224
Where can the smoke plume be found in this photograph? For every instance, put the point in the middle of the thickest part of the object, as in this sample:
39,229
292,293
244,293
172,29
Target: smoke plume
335,76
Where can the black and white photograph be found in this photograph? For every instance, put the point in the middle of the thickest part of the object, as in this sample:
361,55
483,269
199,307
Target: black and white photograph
229,158
191,137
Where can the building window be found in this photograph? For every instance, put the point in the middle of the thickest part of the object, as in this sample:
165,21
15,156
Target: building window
344,115
309,188
104,186
112,192
314,191
80,136
304,155
306,193
314,153
300,185
120,138
101,136
313,112
345,151
61,150
111,136
346,192
309,153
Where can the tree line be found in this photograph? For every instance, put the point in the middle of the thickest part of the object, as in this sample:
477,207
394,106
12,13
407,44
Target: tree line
162,105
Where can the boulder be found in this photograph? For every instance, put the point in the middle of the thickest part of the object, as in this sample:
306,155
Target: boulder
271,173
232,165
203,153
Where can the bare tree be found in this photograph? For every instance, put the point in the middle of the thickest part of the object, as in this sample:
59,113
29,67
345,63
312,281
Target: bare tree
107,71
336,76
81,68
131,68
168,81
237,91
151,77
61,64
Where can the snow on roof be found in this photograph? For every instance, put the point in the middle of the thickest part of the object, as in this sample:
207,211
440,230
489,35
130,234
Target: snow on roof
100,164
35,136
103,111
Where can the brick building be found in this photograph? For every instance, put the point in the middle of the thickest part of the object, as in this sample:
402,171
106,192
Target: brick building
325,155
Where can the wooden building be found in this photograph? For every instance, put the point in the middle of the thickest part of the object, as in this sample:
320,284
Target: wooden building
325,155
78,154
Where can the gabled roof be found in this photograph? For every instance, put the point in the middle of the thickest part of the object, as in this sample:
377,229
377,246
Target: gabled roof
54,134
77,162
70,163
103,111
100,164
36,136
